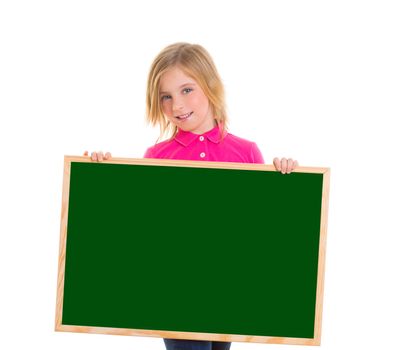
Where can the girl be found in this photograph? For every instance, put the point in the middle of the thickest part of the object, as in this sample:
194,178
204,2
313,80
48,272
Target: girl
185,96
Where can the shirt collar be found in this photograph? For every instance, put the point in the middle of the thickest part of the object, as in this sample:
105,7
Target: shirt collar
186,137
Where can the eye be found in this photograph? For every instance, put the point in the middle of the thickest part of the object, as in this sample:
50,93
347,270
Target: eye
165,97
187,90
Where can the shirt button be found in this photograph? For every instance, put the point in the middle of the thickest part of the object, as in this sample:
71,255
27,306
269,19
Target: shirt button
201,138
202,155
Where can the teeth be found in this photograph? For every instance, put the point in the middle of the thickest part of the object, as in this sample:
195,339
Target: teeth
184,116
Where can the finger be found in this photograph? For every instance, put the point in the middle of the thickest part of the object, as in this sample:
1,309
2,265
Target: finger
94,156
277,164
107,155
86,153
284,165
100,156
290,165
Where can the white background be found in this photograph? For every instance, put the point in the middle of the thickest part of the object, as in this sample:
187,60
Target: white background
311,80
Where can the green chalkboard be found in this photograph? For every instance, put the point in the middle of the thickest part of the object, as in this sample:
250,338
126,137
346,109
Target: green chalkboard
182,250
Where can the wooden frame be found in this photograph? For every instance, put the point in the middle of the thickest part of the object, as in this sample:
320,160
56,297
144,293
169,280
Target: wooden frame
191,335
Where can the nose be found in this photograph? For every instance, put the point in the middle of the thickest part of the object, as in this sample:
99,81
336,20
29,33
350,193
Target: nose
177,104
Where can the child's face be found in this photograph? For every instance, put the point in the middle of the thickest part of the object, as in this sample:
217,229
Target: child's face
184,103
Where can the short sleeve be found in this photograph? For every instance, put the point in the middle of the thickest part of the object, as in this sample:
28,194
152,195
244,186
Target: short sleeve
256,154
149,153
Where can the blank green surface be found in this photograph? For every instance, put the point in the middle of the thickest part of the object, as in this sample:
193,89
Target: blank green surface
192,249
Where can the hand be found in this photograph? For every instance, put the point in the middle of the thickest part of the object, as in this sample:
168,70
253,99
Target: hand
285,165
98,156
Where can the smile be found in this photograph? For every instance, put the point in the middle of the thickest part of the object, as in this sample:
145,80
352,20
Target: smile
184,116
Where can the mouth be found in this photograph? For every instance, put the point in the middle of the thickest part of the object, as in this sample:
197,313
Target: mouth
184,116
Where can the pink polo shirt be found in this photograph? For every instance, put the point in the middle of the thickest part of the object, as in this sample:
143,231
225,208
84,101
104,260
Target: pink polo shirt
207,147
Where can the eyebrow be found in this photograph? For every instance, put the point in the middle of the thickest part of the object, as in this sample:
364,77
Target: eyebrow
181,86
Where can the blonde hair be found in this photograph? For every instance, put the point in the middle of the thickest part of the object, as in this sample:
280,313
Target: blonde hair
195,62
